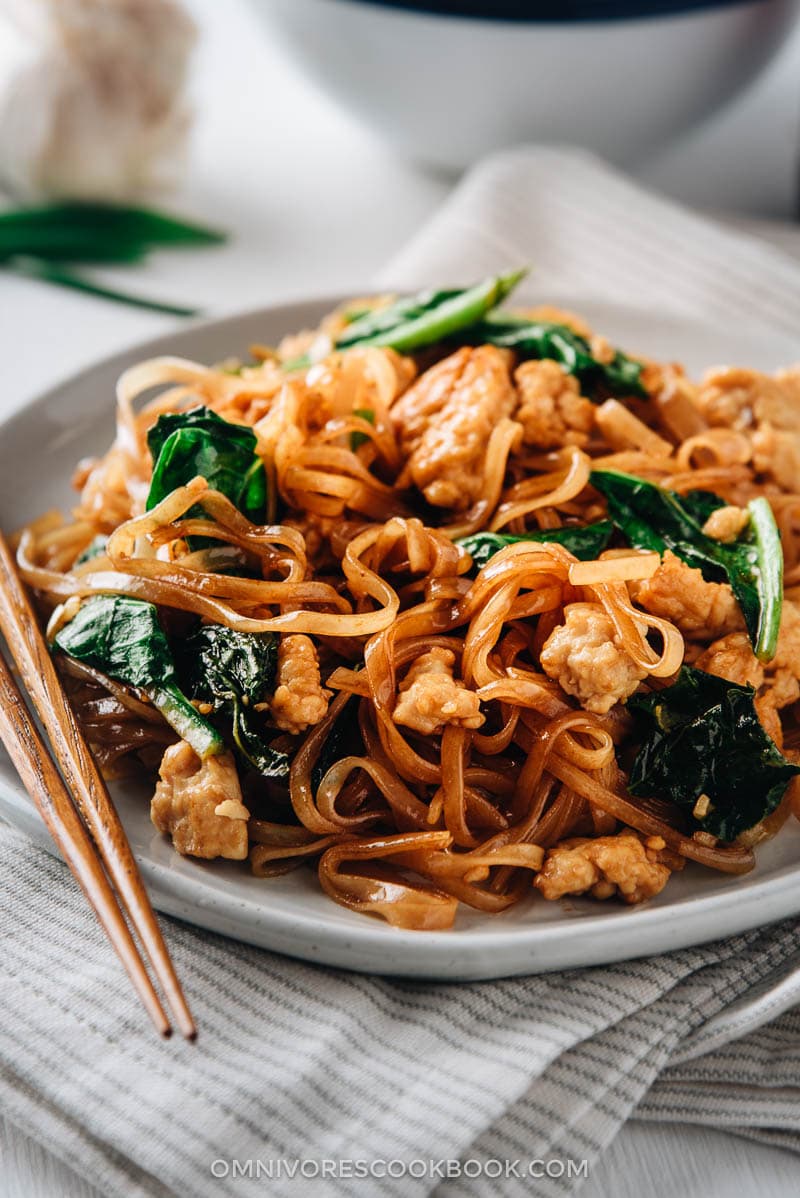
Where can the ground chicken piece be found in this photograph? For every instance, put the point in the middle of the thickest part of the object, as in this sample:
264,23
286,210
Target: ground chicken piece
444,421
783,672
768,407
769,718
783,687
776,452
789,380
732,657
551,410
726,523
299,700
431,697
623,864
740,398
787,653
777,682
680,594
199,804
586,657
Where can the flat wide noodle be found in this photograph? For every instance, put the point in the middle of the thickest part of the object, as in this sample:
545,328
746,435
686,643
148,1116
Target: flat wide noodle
475,718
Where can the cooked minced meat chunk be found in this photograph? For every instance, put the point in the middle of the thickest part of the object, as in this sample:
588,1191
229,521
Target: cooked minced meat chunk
776,682
431,697
551,409
725,523
587,659
199,804
623,864
300,700
680,594
776,453
735,397
444,420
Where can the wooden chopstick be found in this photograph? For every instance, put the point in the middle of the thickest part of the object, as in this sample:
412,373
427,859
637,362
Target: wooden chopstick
43,783
30,653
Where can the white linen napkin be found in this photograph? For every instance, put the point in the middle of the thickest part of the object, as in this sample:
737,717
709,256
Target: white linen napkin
298,1063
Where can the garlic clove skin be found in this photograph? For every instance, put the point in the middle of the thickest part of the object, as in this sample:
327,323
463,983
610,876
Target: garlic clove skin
92,97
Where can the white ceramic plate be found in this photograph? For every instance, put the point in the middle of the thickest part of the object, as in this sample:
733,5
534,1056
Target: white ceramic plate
38,450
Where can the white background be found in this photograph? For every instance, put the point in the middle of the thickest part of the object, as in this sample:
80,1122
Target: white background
315,205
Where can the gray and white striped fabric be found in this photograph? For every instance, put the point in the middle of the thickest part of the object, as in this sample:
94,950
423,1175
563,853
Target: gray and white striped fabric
300,1063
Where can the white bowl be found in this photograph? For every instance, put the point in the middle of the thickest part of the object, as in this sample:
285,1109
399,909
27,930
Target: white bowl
446,90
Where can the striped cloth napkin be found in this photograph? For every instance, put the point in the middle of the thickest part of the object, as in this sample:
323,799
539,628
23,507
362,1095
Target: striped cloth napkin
305,1079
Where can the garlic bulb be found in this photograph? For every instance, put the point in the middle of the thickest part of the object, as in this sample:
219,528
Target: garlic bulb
92,96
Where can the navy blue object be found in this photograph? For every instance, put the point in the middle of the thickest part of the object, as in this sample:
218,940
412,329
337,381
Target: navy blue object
557,10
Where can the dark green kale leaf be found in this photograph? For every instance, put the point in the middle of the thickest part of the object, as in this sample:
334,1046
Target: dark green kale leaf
702,736
651,517
184,445
234,671
122,637
586,541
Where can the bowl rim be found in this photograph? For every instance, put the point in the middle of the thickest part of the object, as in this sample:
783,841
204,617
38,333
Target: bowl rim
552,12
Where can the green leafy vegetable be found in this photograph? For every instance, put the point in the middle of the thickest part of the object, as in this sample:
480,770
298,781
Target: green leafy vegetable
38,242
122,637
95,548
357,439
586,541
430,316
701,504
374,321
543,339
415,321
702,737
343,739
234,671
469,317
198,442
651,517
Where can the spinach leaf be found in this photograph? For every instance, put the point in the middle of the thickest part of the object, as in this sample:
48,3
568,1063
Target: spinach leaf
199,442
651,517
414,322
543,339
586,541
234,671
701,504
122,637
357,439
343,738
702,737
430,316
372,321
95,548
469,317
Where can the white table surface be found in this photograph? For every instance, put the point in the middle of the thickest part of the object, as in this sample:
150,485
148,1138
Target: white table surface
314,206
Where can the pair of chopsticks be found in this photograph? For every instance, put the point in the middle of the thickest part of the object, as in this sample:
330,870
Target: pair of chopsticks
103,861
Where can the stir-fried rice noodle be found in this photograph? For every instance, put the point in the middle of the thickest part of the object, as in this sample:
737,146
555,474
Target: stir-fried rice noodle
471,749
